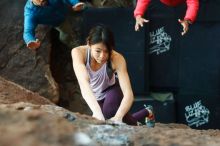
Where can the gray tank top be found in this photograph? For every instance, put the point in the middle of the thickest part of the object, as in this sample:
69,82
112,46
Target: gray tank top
99,80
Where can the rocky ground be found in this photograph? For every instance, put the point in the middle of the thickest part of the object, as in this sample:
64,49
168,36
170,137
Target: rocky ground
27,118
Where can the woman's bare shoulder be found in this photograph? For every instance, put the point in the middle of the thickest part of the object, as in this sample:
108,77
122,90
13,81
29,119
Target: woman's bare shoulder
117,59
116,56
80,49
79,52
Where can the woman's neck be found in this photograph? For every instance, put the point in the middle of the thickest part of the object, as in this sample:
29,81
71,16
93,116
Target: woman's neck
95,65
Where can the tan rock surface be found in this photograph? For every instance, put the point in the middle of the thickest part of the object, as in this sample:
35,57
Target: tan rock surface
28,119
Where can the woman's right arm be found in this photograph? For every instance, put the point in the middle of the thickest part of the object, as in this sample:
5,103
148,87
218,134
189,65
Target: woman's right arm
83,79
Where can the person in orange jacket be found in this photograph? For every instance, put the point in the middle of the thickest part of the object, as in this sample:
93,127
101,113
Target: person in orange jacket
190,16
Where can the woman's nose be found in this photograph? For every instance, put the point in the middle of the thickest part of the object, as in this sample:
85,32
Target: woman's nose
103,55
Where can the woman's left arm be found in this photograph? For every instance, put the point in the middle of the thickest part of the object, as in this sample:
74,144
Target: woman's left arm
119,64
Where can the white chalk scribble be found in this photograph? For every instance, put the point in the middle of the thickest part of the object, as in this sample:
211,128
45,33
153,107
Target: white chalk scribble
196,114
159,41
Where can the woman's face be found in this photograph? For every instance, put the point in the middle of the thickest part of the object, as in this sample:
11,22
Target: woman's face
99,52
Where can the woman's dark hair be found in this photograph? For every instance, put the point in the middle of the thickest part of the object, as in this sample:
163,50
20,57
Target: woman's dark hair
101,34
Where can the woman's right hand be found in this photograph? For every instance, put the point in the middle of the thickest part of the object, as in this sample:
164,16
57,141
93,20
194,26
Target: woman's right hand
140,22
99,116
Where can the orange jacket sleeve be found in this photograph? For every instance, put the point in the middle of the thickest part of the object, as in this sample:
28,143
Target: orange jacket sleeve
192,10
141,7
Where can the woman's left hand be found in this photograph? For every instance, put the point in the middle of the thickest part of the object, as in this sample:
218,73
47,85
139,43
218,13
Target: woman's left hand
116,120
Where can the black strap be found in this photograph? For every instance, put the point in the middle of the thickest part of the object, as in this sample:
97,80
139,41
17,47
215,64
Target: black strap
109,69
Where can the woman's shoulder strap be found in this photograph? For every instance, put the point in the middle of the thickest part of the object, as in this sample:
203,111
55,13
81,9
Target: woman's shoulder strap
88,56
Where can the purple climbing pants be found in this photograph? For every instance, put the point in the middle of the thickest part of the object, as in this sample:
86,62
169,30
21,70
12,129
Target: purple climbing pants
111,103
